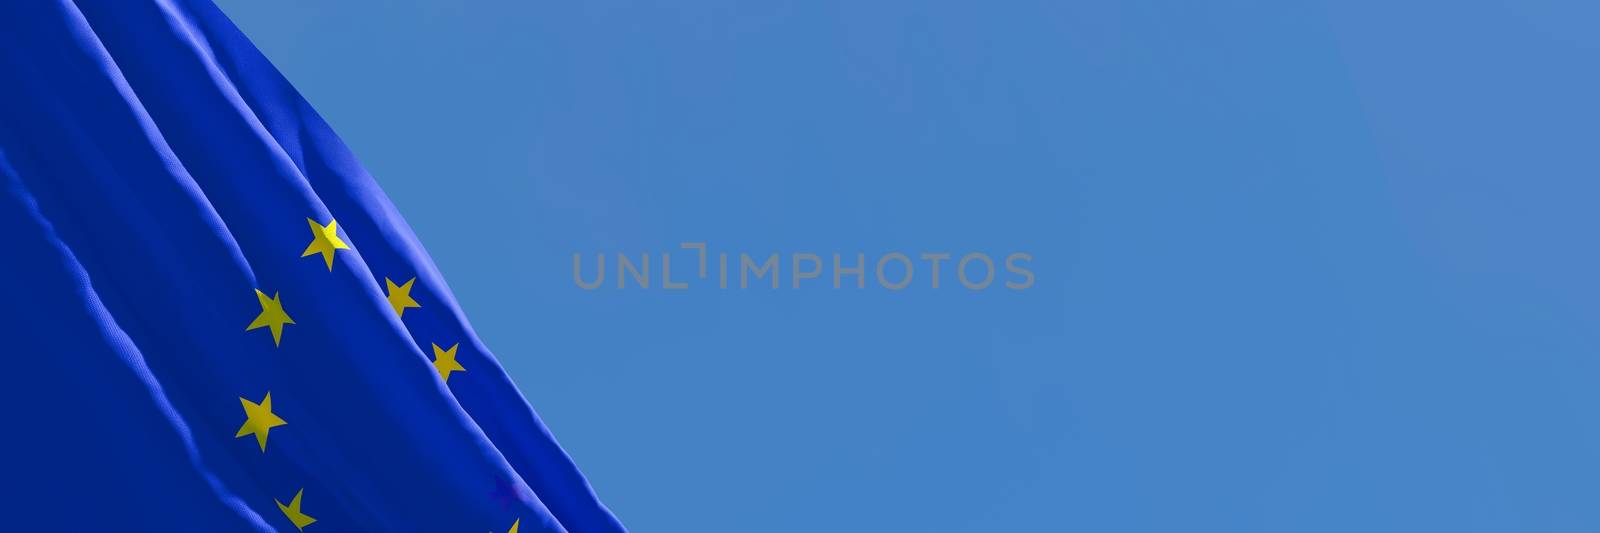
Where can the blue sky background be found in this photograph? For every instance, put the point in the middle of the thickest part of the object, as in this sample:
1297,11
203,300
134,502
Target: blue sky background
1301,266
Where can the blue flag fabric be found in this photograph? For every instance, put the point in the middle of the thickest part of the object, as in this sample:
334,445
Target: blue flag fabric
215,320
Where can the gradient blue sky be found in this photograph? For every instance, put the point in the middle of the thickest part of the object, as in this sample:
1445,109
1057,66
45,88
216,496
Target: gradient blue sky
1302,266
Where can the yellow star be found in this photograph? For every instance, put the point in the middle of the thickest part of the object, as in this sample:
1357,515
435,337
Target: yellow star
513,526
324,240
272,316
445,361
292,511
400,296
259,420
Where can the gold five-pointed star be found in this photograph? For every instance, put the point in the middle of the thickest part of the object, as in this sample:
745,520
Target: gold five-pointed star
400,296
513,526
259,420
271,316
292,511
324,240
445,361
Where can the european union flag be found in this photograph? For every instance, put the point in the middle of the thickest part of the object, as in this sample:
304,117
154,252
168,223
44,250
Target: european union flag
214,320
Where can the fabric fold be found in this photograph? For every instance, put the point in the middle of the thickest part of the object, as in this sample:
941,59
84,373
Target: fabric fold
232,249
